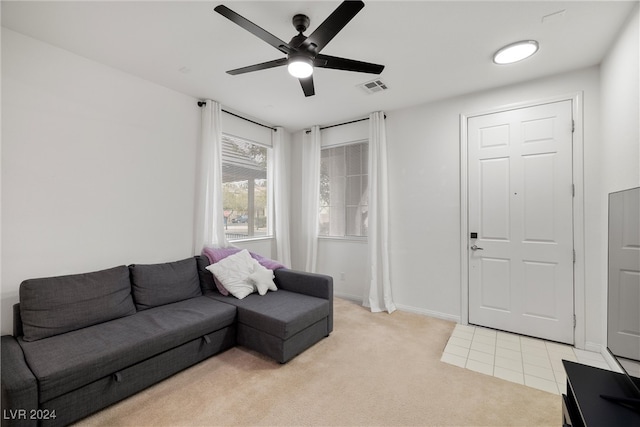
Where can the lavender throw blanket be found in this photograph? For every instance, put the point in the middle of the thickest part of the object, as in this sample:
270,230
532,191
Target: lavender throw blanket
216,254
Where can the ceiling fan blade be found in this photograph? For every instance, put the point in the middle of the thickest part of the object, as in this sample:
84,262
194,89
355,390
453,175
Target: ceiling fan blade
264,35
258,67
307,86
332,25
333,62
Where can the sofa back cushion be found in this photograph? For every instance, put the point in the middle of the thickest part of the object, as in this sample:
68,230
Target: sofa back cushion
206,278
160,284
55,305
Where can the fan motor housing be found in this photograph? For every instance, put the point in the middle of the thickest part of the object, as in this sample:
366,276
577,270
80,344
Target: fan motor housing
297,40
301,22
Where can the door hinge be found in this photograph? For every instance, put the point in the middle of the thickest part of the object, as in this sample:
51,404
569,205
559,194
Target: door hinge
574,321
574,256
573,190
573,126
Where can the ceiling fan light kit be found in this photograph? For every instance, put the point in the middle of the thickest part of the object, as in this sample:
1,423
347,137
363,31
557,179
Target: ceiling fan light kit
300,67
515,52
303,53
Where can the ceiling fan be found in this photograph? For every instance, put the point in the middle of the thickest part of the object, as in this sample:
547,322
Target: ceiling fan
303,53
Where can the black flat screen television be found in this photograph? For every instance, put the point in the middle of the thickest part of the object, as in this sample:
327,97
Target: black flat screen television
623,287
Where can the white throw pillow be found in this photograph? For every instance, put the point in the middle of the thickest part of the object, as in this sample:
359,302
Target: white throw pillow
262,278
233,272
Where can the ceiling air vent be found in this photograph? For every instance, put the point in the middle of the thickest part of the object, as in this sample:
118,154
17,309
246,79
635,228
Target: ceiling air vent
374,86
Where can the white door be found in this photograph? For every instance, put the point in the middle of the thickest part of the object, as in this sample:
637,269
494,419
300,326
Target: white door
520,203
623,324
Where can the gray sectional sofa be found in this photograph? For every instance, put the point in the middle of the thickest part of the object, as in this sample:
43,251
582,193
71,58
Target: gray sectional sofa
85,341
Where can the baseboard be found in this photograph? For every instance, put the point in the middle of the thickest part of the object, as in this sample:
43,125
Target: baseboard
349,297
429,313
599,348
407,308
611,361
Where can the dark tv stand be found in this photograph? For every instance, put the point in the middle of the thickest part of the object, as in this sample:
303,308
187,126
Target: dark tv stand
583,405
628,402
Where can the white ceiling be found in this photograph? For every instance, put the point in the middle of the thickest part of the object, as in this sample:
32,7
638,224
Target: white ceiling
432,50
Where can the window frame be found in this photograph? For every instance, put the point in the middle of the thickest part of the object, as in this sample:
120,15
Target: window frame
269,179
345,237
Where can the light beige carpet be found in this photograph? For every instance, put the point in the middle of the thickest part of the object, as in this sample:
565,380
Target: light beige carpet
374,370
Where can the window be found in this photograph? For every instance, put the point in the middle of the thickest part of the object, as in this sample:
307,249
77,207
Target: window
344,190
245,188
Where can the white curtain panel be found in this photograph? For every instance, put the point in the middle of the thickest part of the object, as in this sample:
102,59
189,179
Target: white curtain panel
378,296
311,144
209,221
280,176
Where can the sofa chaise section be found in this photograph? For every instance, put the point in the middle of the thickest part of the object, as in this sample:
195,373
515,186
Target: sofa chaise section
284,323
279,324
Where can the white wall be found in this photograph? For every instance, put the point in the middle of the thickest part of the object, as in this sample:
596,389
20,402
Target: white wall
620,92
620,147
233,125
98,167
424,168
424,185
346,261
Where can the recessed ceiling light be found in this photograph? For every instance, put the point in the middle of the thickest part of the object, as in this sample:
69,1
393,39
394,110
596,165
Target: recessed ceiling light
515,52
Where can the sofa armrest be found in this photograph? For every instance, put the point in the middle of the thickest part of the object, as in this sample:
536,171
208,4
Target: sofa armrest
312,284
19,386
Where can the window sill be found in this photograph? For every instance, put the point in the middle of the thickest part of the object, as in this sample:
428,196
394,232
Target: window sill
352,239
251,239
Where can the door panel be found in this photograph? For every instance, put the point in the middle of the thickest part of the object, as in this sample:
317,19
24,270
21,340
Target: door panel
538,198
540,284
494,136
521,206
494,185
496,284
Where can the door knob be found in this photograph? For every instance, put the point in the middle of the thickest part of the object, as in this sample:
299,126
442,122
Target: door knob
476,248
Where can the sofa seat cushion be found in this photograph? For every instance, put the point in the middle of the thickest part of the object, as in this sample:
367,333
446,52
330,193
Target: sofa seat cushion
66,362
282,313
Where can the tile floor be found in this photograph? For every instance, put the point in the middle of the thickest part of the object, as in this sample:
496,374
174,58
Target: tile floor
519,359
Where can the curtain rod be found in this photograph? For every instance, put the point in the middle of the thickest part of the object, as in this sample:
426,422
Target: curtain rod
202,104
345,123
